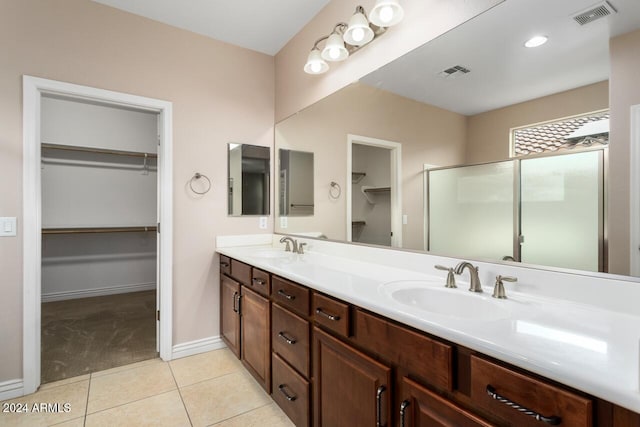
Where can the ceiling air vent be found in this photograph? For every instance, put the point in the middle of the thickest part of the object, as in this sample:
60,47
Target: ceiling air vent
454,71
595,12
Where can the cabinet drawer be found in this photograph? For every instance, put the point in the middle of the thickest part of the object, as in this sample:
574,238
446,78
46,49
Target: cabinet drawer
406,348
290,391
533,394
260,281
290,338
290,295
225,265
241,272
330,313
422,407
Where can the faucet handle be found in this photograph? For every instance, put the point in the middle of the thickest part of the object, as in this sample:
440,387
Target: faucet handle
301,248
498,290
451,280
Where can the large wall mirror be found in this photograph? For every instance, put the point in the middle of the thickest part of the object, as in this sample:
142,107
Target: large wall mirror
526,143
248,169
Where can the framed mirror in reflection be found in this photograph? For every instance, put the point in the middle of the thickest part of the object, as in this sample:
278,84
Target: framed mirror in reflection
478,96
295,183
248,169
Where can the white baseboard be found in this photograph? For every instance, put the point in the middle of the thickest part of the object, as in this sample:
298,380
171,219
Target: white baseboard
11,389
198,346
86,293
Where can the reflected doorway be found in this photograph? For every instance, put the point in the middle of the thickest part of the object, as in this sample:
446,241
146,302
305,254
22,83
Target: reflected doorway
374,196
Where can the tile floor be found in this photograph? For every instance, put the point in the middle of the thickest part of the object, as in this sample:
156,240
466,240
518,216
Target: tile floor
209,389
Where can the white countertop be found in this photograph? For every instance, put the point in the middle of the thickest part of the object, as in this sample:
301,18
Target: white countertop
589,346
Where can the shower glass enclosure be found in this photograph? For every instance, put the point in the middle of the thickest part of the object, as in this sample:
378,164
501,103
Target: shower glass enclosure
545,210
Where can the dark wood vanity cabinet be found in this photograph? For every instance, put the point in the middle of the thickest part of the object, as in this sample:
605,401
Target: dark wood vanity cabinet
328,363
245,316
420,407
255,332
350,388
291,349
229,313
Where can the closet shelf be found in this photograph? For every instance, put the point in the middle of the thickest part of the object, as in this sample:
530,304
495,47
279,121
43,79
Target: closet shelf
377,190
79,230
370,193
356,177
98,150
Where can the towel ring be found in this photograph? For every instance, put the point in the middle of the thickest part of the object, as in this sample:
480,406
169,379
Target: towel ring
335,191
197,176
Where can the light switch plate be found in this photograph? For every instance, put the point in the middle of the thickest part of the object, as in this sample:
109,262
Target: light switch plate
404,219
263,222
7,226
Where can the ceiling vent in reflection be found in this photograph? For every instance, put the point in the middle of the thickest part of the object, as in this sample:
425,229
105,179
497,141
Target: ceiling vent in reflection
453,72
598,11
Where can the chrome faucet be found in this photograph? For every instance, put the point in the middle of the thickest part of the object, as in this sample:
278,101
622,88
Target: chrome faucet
294,244
474,282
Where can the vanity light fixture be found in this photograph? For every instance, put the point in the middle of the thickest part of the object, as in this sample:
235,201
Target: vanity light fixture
346,39
536,41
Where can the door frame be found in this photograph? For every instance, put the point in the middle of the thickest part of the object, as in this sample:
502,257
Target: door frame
395,149
634,196
33,89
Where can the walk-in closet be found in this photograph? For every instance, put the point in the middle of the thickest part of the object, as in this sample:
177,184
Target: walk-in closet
99,197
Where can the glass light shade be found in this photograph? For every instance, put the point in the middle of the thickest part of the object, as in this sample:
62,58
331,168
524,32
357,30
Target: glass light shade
386,13
334,49
315,64
358,31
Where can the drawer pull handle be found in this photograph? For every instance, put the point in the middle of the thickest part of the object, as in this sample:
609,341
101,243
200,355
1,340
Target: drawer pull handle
286,295
552,420
290,341
287,396
327,315
224,264
379,392
403,411
259,281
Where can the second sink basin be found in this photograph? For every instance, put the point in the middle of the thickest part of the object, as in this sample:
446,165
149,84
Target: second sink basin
458,303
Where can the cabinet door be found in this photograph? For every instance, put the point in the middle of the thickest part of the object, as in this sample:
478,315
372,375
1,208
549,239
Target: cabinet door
350,388
229,314
423,408
256,335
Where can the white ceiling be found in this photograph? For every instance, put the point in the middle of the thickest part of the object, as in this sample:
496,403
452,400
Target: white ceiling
503,71
264,26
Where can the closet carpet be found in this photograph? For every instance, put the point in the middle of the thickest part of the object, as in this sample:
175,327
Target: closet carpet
85,335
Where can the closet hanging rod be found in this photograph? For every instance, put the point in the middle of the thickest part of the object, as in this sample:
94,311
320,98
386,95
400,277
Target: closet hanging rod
78,230
98,150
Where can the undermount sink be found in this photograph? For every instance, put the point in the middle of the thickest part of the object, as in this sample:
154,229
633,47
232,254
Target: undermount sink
272,254
459,302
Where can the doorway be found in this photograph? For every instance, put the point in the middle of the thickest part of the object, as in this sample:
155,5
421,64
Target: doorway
36,94
374,198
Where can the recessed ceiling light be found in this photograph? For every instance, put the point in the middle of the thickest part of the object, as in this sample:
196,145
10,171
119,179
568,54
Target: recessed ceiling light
536,41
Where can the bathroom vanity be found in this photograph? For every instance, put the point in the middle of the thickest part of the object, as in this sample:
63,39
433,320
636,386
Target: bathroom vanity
362,336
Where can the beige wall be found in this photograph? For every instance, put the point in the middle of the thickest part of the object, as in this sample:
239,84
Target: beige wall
428,135
488,133
220,93
424,20
624,92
